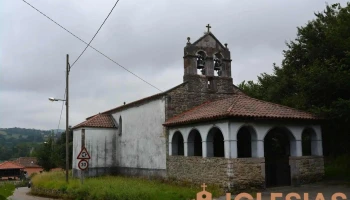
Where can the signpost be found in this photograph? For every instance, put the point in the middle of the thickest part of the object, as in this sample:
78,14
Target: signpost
83,164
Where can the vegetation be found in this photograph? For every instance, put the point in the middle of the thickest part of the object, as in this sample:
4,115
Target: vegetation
314,76
109,187
6,190
52,153
19,142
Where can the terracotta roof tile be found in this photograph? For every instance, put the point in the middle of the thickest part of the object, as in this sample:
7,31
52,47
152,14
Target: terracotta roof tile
10,165
98,121
239,105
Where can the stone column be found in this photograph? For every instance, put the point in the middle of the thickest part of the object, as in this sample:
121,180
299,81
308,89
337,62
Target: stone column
170,149
204,149
316,144
296,148
258,149
233,148
227,148
185,149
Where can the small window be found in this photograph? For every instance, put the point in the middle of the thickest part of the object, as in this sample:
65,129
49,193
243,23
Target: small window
120,125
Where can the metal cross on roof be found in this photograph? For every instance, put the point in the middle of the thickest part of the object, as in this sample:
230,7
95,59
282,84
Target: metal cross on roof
208,26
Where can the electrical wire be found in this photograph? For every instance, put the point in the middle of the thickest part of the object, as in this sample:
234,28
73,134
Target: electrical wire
88,44
95,34
93,47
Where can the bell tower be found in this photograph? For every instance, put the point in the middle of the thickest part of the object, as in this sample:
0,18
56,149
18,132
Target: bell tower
207,64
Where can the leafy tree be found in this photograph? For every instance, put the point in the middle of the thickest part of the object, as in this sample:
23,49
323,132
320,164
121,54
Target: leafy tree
315,75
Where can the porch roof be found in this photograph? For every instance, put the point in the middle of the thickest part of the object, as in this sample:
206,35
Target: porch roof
239,105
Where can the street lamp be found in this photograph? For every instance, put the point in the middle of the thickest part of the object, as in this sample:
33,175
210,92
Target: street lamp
54,99
67,127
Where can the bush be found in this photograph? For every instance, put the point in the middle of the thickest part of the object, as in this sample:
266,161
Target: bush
338,168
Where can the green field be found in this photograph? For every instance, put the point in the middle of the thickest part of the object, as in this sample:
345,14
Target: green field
113,187
6,190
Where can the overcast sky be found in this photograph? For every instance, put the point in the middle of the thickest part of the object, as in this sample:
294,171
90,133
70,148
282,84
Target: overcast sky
146,37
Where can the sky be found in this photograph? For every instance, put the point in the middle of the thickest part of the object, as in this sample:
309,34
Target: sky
145,37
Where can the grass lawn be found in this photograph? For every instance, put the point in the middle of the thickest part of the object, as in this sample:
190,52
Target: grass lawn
6,190
117,188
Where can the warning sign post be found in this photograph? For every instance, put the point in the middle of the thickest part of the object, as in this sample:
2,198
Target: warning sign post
83,164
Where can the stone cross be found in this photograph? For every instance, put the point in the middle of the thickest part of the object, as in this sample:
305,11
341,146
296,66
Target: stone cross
208,26
204,186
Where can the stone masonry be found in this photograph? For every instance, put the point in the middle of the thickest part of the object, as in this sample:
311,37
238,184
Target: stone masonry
234,175
306,169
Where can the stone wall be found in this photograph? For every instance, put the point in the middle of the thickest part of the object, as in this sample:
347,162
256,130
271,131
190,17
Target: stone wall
195,92
307,169
234,175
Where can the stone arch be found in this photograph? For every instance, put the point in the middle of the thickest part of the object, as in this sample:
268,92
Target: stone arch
217,63
309,142
246,142
194,143
279,144
200,63
215,143
177,144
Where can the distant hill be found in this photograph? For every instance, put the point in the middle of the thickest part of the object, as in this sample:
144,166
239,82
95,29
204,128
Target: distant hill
19,142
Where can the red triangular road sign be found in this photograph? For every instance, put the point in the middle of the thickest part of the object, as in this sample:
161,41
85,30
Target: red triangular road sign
83,154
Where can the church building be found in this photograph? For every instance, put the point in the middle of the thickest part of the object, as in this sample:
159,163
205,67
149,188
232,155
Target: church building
204,130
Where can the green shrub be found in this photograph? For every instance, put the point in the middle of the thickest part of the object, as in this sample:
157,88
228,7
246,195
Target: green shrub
338,168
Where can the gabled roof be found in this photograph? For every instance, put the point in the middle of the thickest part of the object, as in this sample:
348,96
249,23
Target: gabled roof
28,162
205,35
98,121
10,165
239,105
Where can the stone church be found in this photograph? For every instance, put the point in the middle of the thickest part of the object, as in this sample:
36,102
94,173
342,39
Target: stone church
204,130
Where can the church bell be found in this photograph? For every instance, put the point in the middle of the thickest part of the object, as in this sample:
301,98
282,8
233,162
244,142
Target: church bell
217,65
200,62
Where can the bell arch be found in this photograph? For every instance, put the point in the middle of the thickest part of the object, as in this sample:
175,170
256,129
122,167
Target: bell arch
201,56
194,143
215,143
218,64
177,144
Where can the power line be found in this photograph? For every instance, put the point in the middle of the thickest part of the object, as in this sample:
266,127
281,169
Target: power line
95,34
92,47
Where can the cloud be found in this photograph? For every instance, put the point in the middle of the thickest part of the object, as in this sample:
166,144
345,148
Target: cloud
146,37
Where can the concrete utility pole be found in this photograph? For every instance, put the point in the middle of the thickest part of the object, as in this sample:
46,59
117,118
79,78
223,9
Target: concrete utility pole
67,121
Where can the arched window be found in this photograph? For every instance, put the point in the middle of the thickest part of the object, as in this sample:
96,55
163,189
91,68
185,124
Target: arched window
309,142
244,144
120,125
215,143
194,143
177,144
201,62
218,64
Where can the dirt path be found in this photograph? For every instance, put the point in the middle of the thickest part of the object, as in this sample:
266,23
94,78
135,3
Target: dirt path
22,194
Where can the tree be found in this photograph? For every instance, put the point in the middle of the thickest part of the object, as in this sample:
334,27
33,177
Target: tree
315,75
46,155
52,153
